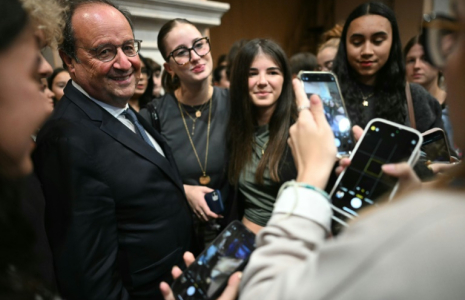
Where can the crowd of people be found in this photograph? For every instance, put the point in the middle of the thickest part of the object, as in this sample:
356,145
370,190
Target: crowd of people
100,198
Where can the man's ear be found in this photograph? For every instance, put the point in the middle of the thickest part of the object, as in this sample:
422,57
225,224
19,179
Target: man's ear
68,61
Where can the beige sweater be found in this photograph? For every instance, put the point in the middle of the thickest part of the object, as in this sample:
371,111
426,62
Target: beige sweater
413,248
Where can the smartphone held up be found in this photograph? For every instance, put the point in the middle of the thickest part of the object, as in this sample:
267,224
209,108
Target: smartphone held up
363,183
325,85
208,275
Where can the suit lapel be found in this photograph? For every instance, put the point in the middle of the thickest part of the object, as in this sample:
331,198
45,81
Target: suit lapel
113,127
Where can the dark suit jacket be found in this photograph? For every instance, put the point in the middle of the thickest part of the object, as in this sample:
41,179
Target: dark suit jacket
116,213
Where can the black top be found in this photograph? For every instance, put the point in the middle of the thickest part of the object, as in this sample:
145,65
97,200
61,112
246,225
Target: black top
173,129
427,109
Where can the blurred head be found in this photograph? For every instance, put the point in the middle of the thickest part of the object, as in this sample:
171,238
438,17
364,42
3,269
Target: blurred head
370,43
22,106
47,20
304,61
450,32
156,77
48,94
220,78
326,54
417,68
57,82
100,52
186,52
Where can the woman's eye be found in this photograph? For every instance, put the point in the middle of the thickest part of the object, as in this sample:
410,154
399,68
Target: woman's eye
356,42
252,73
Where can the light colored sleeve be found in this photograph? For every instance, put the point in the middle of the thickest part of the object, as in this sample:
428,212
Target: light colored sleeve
287,248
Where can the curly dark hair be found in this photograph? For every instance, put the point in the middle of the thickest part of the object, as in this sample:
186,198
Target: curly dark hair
389,86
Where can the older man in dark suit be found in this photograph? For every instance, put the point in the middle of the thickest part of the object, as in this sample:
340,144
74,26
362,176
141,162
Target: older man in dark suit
116,212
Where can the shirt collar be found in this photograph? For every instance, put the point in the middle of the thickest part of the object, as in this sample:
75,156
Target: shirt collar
113,110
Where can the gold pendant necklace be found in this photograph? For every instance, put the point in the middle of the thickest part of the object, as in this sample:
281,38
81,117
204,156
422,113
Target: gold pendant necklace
263,148
198,114
365,98
204,179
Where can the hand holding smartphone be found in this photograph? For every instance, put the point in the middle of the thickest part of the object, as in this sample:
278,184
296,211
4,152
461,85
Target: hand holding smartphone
325,85
215,202
435,147
208,275
363,182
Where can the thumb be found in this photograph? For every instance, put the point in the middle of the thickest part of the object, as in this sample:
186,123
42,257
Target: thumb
232,289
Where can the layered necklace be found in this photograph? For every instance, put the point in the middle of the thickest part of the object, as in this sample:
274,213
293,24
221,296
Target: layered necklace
204,179
198,114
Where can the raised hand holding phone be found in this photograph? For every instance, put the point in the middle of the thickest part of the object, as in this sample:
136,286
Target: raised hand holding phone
230,292
312,141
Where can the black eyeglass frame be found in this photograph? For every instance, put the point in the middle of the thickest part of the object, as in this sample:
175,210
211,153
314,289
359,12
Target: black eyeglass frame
189,51
429,36
135,41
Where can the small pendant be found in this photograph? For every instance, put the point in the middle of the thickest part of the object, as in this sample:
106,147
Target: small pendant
263,151
204,179
198,114
365,103
193,127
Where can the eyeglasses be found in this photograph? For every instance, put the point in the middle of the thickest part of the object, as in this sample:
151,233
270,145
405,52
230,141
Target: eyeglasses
108,52
182,55
439,37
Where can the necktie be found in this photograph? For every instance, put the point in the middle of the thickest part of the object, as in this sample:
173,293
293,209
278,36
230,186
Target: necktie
131,116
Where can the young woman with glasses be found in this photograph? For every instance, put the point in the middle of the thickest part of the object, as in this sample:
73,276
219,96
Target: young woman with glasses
192,116
371,72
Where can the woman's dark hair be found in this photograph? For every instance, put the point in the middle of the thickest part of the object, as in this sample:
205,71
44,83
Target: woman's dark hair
303,61
243,117
169,83
146,97
13,20
389,87
52,77
416,41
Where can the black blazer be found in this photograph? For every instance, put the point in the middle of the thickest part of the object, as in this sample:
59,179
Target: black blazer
116,214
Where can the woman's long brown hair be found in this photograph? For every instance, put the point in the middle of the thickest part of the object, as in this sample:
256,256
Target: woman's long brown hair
243,117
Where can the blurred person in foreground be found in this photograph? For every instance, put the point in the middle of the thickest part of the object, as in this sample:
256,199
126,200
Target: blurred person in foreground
22,108
409,248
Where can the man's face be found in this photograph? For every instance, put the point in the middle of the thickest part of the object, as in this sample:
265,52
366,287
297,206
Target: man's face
112,82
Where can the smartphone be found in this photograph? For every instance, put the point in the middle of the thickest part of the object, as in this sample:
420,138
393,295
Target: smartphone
435,147
215,202
325,85
208,275
364,182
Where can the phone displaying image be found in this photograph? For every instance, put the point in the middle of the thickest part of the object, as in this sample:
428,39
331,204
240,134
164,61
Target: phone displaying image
208,275
364,182
215,202
325,85
435,147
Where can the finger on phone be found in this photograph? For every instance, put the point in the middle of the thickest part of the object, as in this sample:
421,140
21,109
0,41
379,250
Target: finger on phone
208,214
317,110
166,291
300,95
232,289
357,131
176,272
188,258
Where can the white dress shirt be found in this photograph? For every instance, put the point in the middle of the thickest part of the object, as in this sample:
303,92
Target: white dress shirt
117,112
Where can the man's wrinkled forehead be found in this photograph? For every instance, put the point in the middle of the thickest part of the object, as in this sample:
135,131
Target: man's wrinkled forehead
97,14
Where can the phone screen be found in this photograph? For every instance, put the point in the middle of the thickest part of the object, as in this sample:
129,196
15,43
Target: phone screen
325,86
209,274
363,182
434,147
